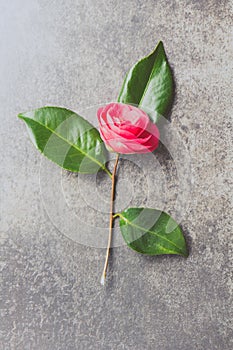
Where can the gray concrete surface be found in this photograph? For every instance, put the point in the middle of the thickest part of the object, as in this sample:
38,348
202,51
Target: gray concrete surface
74,53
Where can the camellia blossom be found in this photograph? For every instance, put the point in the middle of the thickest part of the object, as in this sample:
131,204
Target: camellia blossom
127,129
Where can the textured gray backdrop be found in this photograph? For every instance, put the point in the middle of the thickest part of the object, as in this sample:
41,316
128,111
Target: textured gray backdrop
74,53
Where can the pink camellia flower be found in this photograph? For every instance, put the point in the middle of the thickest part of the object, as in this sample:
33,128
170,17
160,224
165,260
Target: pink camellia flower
127,129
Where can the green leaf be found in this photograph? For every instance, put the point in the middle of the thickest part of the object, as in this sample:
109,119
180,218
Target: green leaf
149,84
152,232
66,138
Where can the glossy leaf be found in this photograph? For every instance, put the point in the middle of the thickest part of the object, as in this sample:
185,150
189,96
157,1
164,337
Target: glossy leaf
152,232
66,138
149,84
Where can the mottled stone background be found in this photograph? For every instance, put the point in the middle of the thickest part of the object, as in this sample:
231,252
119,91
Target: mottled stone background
75,53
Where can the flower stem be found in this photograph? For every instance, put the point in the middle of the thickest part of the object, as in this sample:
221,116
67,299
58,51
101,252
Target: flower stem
110,221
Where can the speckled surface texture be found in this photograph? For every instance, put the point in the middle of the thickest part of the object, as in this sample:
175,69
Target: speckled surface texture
75,53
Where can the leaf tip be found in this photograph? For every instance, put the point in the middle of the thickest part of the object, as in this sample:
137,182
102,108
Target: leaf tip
20,115
160,46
